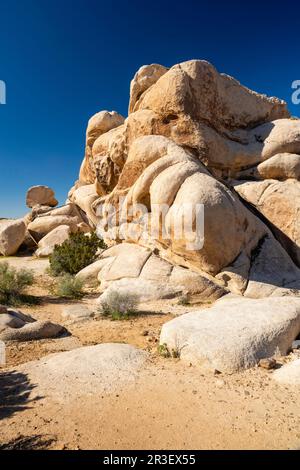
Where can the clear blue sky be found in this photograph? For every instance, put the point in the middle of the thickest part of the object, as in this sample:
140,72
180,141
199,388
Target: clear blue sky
62,61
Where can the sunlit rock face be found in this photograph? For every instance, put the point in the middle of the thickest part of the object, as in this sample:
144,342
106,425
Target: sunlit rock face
195,138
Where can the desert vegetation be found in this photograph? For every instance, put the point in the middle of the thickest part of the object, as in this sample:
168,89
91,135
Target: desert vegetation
75,253
13,284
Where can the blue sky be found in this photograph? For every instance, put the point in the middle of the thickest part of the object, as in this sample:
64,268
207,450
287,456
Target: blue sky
62,61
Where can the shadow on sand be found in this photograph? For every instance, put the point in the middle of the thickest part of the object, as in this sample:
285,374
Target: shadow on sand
15,389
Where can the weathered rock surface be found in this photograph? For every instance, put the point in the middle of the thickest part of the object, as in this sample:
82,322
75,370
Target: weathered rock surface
288,374
144,78
272,272
99,124
84,371
136,270
279,202
89,274
12,235
10,318
196,144
42,226
77,312
42,195
280,167
235,333
84,197
56,237
32,331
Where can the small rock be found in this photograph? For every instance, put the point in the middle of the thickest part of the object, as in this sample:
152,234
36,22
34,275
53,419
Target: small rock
145,333
267,363
77,312
220,383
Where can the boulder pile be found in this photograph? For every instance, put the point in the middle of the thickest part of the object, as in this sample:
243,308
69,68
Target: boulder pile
193,137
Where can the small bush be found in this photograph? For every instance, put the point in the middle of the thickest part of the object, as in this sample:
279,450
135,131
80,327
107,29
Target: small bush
165,352
13,283
69,287
75,253
119,305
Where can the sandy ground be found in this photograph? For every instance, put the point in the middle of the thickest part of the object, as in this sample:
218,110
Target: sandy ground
171,406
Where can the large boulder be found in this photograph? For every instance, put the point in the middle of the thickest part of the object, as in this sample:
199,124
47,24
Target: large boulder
12,235
279,203
132,269
56,237
192,132
41,226
14,330
85,371
145,77
42,195
89,274
235,333
98,124
84,196
280,167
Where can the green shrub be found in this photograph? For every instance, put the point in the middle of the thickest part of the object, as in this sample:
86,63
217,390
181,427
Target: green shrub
69,287
165,352
13,283
75,253
119,305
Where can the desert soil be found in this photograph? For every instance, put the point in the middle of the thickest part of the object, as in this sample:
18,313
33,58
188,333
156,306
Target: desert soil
170,406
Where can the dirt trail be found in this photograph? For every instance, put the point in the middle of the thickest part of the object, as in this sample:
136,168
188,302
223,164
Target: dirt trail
171,406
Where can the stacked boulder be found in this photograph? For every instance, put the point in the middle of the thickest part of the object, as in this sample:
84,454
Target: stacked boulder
195,136
44,227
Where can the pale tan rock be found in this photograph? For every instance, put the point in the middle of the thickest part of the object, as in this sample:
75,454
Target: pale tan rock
42,195
156,269
89,274
144,78
281,167
103,369
129,261
195,285
68,209
235,277
12,235
197,89
99,124
279,202
235,333
56,237
83,197
38,210
272,272
32,331
189,128
41,226
288,374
